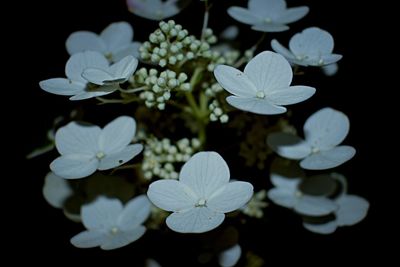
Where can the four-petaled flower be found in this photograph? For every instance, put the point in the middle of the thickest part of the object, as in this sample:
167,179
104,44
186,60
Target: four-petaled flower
202,196
311,47
268,15
114,42
264,86
111,225
153,9
86,148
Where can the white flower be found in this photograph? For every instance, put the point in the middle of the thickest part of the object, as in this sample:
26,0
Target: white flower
153,9
86,148
311,47
114,42
90,63
111,225
201,196
323,131
352,209
331,69
230,256
268,15
56,190
264,86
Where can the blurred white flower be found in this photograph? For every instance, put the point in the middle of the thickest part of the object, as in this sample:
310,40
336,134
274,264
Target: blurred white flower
202,196
230,256
331,69
114,42
264,86
86,148
352,209
323,132
56,190
111,225
152,263
103,79
311,47
153,9
268,15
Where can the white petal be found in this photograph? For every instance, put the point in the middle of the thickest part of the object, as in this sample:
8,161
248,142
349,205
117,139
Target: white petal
99,91
269,71
329,59
61,86
282,197
234,81
152,263
255,105
97,76
75,138
267,7
328,159
326,128
288,145
205,173
128,50
153,9
83,41
117,35
291,95
196,220
117,134
278,48
270,27
56,190
123,238
353,209
243,15
230,33
312,42
331,69
324,228
124,69
286,174
230,256
74,166
118,158
315,206
135,212
88,239
101,214
292,14
171,195
78,62
230,197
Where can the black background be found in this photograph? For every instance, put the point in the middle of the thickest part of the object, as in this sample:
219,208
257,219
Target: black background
40,41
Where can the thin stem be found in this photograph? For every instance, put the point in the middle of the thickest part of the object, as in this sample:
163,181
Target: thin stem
205,20
244,58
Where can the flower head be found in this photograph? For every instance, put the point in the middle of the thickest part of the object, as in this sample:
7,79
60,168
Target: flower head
114,42
153,9
56,190
230,256
264,86
323,131
311,47
86,148
111,225
268,15
201,196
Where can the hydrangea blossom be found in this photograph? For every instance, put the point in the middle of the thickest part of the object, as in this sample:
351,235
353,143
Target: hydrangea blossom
86,148
287,193
103,79
111,225
153,9
114,42
311,47
264,86
323,131
230,256
352,209
202,196
268,15
56,190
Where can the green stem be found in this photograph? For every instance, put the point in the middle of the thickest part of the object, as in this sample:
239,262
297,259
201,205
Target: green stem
205,20
243,59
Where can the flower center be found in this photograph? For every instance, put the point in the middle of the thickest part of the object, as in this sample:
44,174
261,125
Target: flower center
260,94
267,20
314,149
114,230
201,203
100,155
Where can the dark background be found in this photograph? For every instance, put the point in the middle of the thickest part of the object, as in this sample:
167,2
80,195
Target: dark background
40,42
